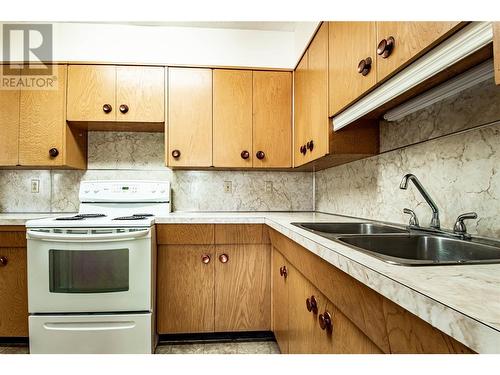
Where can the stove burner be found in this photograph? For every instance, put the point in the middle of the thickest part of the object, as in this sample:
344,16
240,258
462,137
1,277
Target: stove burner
134,217
85,216
144,215
69,218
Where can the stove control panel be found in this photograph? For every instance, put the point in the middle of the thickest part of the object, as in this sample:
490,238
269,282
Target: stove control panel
124,191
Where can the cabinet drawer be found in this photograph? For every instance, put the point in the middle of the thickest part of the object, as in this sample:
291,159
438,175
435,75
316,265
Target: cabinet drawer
239,234
185,234
12,238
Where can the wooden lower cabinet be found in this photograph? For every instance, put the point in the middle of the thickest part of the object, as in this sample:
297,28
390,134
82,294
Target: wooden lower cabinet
363,321
280,300
13,283
185,289
213,278
305,334
242,288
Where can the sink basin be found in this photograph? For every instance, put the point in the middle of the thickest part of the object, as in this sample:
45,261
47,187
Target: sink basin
348,228
424,249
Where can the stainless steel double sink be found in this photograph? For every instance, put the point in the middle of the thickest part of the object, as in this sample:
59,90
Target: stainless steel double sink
404,247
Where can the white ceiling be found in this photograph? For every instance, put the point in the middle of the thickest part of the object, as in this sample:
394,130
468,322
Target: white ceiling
245,25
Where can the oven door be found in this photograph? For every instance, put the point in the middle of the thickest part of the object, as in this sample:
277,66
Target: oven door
89,270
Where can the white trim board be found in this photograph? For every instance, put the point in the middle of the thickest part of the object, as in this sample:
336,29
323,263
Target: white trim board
465,42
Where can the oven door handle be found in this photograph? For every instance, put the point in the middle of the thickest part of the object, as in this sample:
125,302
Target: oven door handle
88,326
44,236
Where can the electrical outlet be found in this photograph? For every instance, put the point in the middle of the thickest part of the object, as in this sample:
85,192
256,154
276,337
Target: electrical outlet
269,186
35,186
228,186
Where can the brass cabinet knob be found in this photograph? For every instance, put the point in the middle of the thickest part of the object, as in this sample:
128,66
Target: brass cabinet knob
205,259
325,321
176,154
365,66
303,149
312,305
223,258
260,155
281,271
123,108
3,261
107,108
53,152
245,154
385,47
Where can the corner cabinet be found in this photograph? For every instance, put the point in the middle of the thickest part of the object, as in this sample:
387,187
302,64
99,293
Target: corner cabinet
313,131
38,136
213,278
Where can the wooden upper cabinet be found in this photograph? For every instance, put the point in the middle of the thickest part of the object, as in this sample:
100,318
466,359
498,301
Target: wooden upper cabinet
9,125
189,117
318,94
496,51
42,123
350,43
140,94
90,89
272,119
232,118
301,110
411,39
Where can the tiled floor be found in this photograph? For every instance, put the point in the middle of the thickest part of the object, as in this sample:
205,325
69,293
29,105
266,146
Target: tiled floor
13,349
233,347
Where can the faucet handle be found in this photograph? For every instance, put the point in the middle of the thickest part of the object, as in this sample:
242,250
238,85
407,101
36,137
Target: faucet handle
413,219
459,227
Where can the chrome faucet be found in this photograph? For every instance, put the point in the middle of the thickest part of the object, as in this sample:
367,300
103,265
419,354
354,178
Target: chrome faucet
435,212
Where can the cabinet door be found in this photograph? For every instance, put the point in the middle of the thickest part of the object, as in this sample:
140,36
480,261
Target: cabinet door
317,75
272,119
42,123
142,90
190,117
301,110
242,288
302,322
9,124
280,300
411,39
90,87
343,337
232,118
13,293
185,289
349,44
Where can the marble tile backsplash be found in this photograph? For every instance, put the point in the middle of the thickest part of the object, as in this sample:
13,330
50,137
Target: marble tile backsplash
140,156
460,171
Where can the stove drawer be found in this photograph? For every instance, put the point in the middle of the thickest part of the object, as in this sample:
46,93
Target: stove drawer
91,334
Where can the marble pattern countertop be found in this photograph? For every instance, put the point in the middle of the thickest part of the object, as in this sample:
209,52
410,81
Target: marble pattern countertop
462,301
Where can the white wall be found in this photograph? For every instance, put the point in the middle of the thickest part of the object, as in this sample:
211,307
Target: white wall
179,45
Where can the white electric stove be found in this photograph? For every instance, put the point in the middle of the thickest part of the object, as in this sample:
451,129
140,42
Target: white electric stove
90,275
